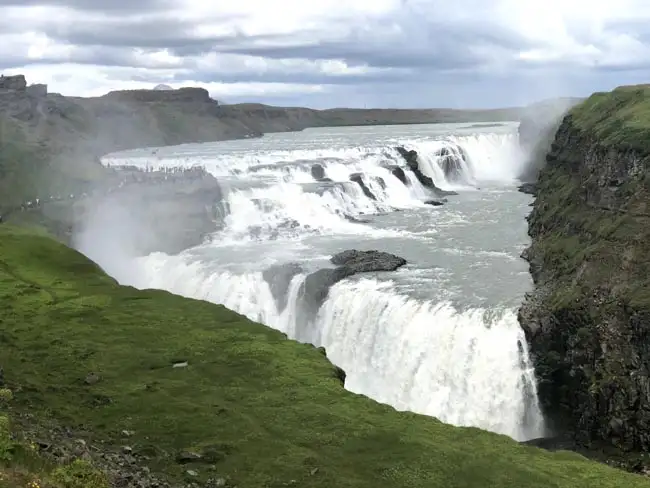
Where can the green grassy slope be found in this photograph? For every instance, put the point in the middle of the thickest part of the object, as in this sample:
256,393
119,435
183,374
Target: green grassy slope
618,118
261,410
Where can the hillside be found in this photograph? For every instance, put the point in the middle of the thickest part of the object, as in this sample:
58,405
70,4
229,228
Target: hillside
158,390
587,318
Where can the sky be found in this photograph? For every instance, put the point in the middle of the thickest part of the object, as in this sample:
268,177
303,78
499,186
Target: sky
332,53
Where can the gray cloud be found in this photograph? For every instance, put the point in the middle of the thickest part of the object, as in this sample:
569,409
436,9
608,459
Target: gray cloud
94,5
428,52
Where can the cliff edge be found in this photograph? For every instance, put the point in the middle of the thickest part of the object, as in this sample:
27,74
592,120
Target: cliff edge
588,318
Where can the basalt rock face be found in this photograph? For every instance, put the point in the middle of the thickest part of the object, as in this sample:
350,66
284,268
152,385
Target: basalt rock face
588,319
412,162
188,94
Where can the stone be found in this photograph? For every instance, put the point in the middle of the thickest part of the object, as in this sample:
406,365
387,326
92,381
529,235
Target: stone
316,286
358,179
318,172
398,173
528,188
279,278
92,379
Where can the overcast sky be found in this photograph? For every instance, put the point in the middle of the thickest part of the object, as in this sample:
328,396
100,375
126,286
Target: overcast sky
329,53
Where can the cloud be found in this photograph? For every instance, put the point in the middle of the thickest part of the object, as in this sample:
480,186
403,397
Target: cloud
468,53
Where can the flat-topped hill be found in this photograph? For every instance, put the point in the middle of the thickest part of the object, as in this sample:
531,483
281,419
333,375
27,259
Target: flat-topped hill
146,384
189,94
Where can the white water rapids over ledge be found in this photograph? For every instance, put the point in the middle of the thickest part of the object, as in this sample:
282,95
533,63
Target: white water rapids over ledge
464,362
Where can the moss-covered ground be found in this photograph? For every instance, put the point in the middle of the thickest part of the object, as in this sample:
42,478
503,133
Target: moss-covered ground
618,118
80,351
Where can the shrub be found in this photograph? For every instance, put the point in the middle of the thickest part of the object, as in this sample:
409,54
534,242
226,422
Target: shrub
80,474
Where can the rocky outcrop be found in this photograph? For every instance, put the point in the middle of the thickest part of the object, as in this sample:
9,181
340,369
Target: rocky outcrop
367,261
189,94
279,278
398,173
15,82
358,179
527,188
350,262
587,319
318,173
412,162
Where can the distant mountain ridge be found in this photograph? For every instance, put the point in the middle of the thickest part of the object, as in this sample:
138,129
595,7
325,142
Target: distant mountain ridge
48,138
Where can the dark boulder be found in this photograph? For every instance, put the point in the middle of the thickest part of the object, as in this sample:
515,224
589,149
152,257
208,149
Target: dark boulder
279,278
409,155
317,285
398,173
435,203
350,262
318,173
358,179
528,188
367,261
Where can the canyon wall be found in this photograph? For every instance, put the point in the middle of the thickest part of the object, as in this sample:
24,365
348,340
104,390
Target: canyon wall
588,319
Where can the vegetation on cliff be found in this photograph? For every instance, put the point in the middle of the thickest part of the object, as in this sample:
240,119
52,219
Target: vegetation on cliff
131,381
587,318
619,119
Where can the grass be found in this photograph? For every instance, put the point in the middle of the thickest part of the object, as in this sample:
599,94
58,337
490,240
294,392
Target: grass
262,410
618,118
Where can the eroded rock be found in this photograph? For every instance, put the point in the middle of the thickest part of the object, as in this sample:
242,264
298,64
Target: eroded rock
366,261
318,173
350,262
398,173
279,278
358,179
411,158
528,188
